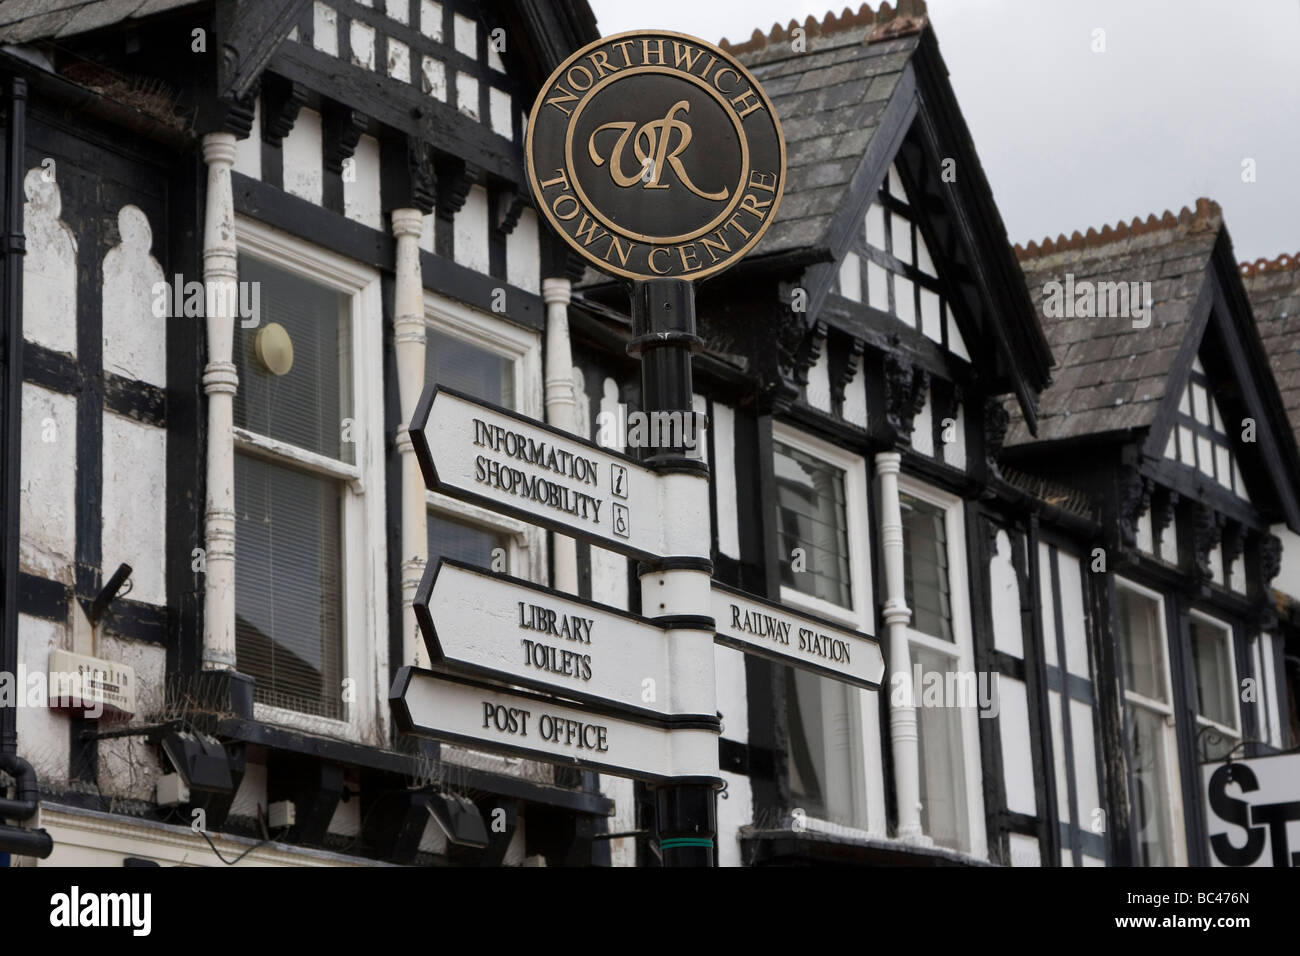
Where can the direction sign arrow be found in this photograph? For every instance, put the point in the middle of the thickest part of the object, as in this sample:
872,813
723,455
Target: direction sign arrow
797,638
500,627
461,711
511,464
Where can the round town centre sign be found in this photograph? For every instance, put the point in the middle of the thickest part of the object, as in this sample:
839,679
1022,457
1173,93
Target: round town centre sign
656,155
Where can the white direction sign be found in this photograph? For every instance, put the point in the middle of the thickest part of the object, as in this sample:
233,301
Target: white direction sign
516,466
500,627
456,710
796,638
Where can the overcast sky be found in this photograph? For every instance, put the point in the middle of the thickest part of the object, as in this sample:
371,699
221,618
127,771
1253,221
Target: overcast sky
1184,92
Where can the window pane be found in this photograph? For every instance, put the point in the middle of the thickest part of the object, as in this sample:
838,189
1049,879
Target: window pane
822,747
1153,762
449,538
476,371
1210,653
943,771
306,405
1141,645
811,516
925,567
289,586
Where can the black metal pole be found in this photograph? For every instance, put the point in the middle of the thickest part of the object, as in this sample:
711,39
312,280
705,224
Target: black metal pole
663,329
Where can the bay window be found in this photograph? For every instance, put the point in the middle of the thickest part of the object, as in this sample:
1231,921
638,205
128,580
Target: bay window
942,657
1218,723
308,490
1154,782
833,728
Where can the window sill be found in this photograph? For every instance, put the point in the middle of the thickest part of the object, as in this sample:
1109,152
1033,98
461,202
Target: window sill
786,846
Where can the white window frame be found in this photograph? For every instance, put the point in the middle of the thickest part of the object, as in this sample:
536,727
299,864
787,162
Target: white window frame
523,349
364,544
868,759
1234,732
1173,770
961,648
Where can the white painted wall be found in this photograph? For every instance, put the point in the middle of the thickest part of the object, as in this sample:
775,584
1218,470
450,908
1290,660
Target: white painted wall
42,733
135,338
470,228
733,700
248,151
302,157
325,28
1024,850
1288,579
1072,615
1017,753
135,504
47,503
735,810
49,267
361,191
724,479
819,382
1004,594
523,255
923,426
129,766
1085,762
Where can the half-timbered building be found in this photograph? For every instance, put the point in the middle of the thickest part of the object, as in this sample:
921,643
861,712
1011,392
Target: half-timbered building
242,237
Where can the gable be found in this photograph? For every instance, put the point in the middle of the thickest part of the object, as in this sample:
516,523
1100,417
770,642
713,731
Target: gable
1199,437
889,267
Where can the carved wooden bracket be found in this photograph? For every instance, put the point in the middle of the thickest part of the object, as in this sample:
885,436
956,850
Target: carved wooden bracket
343,129
455,177
1134,500
281,100
810,351
510,204
845,364
1206,524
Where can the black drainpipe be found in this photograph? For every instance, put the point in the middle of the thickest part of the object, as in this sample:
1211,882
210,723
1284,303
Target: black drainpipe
19,840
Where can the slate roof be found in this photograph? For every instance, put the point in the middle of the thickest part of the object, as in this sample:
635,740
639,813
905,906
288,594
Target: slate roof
1110,376
1273,287
829,100
22,21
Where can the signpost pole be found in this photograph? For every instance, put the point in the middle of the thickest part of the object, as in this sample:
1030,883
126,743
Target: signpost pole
676,590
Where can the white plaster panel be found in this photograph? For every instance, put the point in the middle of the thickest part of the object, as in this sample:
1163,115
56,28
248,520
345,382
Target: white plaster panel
434,73
1017,753
819,382
302,157
426,234
954,452
1058,757
493,57
1145,540
851,277
523,254
134,504
471,231
399,60
361,36
431,19
325,28
49,267
47,504
734,812
724,479
248,151
1072,616
361,190
252,791
1215,561
1024,850
733,704
854,409
1048,606
346,819
1169,543
467,95
129,766
1085,762
1004,594
466,36
42,733
399,10
923,427
499,111
135,331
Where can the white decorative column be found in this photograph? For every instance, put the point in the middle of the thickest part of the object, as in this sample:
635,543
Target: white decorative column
902,706
220,278
409,344
560,408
